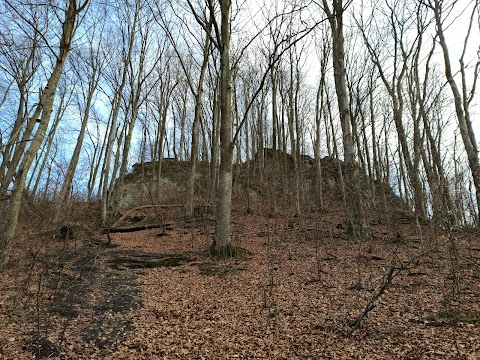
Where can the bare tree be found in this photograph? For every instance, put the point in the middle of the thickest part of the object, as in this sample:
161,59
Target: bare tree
21,64
401,24
197,91
222,245
220,36
141,70
65,94
324,51
43,110
89,67
463,95
357,221
129,35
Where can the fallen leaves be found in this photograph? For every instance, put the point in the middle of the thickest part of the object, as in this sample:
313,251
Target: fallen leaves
271,304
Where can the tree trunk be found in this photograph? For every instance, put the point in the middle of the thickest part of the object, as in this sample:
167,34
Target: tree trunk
291,116
214,143
47,147
222,245
189,207
67,182
318,164
357,222
116,103
136,87
275,132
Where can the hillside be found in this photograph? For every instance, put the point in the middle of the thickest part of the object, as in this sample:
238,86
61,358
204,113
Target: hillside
255,185
294,293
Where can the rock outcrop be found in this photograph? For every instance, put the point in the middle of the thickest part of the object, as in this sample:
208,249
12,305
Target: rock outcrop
141,184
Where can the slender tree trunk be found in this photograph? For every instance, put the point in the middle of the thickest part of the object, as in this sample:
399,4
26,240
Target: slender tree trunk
293,136
377,174
163,105
118,186
260,136
189,207
67,182
47,147
214,142
357,222
335,152
298,145
275,132
92,176
318,163
116,104
183,118
136,85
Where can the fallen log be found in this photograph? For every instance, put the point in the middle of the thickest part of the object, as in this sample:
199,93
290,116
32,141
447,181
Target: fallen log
118,222
134,228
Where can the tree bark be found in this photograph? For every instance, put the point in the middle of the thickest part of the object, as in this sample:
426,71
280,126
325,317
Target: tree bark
357,222
222,245
189,206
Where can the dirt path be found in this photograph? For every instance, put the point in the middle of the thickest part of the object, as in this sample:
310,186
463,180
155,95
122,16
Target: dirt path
76,302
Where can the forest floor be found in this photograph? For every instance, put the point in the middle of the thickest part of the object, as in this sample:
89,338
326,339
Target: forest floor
292,295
